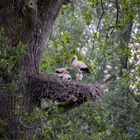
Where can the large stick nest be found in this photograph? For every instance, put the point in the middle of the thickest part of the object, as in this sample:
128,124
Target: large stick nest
66,94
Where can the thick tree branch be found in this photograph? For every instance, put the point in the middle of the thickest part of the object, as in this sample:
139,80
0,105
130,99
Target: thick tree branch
45,19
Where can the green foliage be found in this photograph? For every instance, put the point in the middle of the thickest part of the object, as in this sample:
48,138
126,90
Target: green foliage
36,115
11,78
87,16
105,49
58,48
10,57
75,32
110,119
138,130
2,127
93,3
74,125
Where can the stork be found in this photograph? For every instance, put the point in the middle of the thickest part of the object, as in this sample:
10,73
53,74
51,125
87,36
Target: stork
79,66
66,78
79,77
63,70
63,73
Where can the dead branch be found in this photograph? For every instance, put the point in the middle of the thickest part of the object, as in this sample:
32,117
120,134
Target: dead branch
103,12
24,125
117,18
117,8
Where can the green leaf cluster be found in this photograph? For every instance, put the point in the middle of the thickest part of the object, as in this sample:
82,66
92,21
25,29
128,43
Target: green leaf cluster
10,58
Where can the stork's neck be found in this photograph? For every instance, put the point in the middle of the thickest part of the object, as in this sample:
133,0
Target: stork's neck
66,72
74,59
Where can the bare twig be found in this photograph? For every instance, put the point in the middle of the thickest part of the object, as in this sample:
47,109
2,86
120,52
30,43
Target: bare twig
24,124
117,8
103,12
111,1
117,17
92,49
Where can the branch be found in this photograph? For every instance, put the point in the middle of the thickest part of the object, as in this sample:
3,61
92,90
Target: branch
24,125
117,8
103,12
67,95
67,2
117,17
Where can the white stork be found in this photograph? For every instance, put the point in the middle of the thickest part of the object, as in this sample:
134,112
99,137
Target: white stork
64,74
63,70
79,77
79,66
66,78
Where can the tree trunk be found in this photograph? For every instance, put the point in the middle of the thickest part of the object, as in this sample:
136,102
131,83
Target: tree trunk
29,21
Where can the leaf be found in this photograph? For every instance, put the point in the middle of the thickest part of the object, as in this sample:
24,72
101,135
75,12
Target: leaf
87,16
137,36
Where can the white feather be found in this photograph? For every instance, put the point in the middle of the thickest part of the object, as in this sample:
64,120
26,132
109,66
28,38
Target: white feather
63,70
81,64
77,65
79,77
66,78
60,75
60,70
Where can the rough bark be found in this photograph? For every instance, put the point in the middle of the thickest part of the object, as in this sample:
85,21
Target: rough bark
29,21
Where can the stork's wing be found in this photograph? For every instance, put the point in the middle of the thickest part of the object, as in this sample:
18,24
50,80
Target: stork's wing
86,70
83,67
60,70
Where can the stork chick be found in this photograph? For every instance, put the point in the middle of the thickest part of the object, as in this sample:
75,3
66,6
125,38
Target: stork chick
79,77
79,66
61,71
64,74
66,78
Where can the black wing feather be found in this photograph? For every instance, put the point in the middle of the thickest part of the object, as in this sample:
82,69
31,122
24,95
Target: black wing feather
86,70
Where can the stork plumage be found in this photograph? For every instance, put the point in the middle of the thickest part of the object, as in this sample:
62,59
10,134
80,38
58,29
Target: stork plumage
60,75
62,70
79,77
66,78
79,66
63,73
